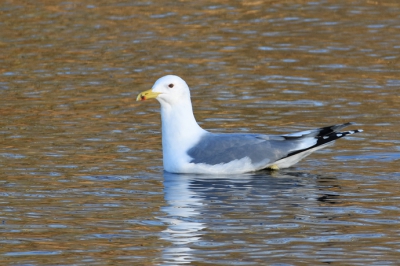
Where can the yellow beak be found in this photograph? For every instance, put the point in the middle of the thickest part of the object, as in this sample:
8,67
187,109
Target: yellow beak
145,95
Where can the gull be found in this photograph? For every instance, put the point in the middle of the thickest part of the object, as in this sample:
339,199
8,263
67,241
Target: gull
187,148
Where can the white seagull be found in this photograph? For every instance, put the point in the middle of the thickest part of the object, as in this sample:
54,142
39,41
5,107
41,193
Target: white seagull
187,148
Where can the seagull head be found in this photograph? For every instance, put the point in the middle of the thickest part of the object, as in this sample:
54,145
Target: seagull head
167,90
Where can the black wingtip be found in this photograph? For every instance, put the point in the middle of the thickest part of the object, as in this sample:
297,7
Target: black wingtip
332,129
329,134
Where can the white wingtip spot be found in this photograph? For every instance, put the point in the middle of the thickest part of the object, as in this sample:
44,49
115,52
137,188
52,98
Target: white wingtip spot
325,137
339,135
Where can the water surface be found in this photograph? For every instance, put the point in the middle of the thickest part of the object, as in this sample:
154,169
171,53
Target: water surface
82,181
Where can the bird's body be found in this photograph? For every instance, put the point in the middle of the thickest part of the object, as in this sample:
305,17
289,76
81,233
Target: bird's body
187,148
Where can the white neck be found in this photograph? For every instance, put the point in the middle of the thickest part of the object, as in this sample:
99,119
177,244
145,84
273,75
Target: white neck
179,128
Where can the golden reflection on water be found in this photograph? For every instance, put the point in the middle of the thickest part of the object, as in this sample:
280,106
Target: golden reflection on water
81,161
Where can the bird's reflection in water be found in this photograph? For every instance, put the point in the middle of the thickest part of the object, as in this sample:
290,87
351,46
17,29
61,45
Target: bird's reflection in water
200,205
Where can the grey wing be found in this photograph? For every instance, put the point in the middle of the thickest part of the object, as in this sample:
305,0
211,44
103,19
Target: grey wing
223,148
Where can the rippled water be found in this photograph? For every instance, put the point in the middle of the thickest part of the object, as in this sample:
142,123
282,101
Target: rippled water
82,181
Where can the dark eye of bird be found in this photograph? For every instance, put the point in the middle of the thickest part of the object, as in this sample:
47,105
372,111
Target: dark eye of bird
171,85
